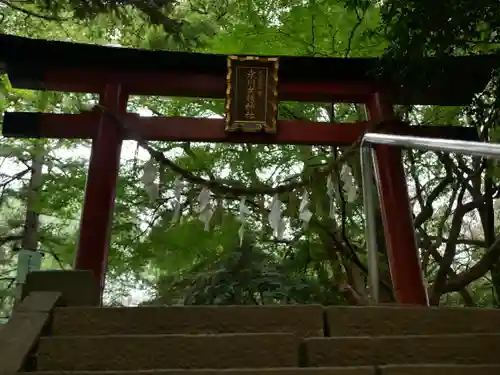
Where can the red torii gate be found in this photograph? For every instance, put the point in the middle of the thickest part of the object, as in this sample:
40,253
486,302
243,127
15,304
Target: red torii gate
115,73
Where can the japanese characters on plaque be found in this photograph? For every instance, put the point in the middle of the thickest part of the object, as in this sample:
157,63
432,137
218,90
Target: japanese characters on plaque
252,94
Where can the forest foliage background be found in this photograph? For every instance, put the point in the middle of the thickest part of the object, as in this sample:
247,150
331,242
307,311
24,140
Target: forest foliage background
156,256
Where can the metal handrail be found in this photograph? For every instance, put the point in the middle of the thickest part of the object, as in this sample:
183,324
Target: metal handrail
486,150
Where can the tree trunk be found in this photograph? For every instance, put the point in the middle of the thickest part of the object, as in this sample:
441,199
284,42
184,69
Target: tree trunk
32,219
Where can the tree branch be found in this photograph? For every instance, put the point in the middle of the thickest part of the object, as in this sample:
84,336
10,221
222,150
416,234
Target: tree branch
232,187
31,13
476,271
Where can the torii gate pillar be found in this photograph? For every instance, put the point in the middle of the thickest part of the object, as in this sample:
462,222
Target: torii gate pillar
100,190
402,250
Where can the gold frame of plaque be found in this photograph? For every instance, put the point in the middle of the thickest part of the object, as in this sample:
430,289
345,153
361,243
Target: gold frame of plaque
252,94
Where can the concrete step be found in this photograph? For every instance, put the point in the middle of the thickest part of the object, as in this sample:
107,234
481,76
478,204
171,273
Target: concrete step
264,371
305,320
366,370
143,352
466,349
391,320
440,370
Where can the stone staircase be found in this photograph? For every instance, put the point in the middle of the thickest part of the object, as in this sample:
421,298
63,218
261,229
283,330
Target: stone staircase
270,340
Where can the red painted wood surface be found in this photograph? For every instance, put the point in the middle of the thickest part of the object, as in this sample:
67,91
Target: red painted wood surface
98,206
30,62
199,85
86,125
404,260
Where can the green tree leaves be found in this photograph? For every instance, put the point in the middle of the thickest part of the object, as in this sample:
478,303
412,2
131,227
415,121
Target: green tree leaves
180,262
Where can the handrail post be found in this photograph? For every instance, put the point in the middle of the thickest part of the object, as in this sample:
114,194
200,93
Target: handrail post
479,149
370,222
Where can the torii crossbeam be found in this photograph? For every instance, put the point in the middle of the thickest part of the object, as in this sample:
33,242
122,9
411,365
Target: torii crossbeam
116,73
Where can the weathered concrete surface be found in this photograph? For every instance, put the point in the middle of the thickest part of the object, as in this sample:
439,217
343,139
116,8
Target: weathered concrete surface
264,371
391,320
384,350
20,334
304,320
39,302
18,337
141,352
78,288
440,370
266,339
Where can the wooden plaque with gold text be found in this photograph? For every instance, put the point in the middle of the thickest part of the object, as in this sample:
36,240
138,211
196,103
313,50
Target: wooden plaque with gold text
252,94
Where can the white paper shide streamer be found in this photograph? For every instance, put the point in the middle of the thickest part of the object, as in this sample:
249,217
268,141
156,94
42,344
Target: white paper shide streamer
149,176
275,220
177,196
205,208
304,213
349,184
330,191
244,211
